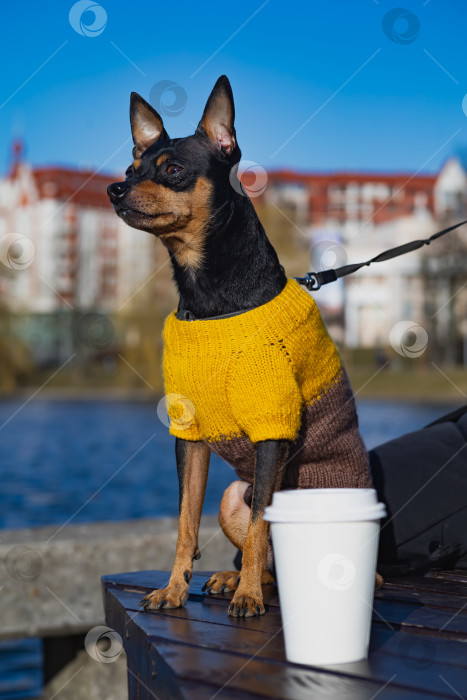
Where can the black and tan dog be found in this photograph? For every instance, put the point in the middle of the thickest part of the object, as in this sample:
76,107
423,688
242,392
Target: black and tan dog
298,428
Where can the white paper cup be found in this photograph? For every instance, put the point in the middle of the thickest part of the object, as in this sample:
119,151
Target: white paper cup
325,544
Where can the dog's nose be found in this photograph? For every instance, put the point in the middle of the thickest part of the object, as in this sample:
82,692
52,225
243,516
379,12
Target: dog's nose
116,191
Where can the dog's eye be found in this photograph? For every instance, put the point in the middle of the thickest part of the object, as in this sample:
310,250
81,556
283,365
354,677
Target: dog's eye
174,169
129,173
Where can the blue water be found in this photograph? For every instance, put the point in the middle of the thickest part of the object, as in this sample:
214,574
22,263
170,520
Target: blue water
83,461
21,663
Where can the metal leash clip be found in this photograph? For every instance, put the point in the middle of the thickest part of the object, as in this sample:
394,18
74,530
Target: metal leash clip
315,280
310,281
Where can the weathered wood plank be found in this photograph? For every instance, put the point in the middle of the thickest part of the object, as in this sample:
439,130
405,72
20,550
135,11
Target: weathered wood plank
433,599
272,680
415,663
417,648
392,613
419,615
200,691
203,610
454,575
435,591
399,642
146,581
413,660
434,584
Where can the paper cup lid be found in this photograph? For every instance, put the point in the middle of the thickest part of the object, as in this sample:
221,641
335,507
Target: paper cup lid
324,505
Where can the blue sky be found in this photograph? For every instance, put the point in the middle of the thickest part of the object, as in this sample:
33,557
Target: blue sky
318,85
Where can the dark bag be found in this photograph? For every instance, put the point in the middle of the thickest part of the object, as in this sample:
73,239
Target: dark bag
422,479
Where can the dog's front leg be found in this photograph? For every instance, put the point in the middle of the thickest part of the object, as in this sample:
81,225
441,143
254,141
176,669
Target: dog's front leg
271,457
192,468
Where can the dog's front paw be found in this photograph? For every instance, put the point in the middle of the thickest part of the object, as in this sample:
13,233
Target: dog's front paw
171,597
230,580
222,581
246,606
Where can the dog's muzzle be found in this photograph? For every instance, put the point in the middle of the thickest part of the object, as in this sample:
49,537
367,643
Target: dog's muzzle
117,191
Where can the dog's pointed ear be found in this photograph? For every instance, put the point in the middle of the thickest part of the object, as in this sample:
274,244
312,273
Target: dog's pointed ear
146,124
217,122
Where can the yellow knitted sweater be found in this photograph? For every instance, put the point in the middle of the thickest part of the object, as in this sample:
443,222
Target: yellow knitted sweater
250,374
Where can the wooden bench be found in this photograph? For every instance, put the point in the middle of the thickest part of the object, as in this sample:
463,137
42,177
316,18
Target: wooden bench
418,645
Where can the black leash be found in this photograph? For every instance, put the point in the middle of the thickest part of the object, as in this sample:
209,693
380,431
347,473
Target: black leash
315,280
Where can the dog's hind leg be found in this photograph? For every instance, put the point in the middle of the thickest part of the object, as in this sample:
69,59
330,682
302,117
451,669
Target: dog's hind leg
192,468
234,516
234,512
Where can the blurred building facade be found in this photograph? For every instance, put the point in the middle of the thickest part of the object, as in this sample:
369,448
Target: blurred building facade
69,264
352,217
85,258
